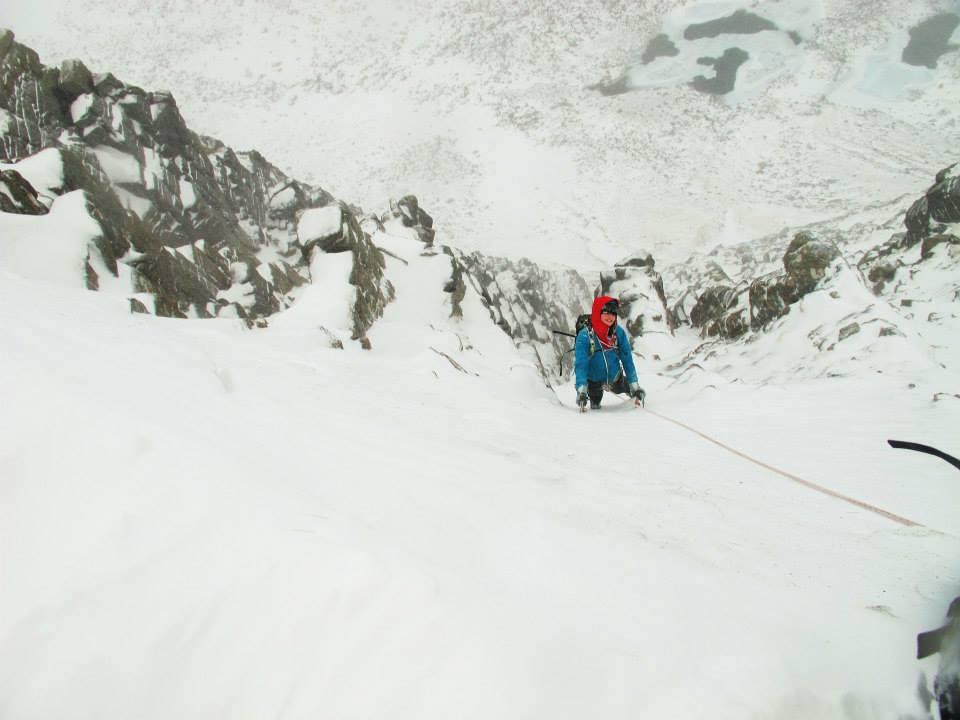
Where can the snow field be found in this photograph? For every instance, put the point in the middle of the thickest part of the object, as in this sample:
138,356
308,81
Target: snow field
201,520
488,118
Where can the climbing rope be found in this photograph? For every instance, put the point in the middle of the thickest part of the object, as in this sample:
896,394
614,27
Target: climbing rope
806,483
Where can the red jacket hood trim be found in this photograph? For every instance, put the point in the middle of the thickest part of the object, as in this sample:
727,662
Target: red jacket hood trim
601,330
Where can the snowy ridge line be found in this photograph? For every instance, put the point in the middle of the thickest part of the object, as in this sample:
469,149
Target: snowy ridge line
806,483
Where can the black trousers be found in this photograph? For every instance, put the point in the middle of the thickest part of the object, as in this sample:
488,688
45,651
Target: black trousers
595,389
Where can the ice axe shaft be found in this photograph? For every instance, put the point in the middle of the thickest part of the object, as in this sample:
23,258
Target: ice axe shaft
902,445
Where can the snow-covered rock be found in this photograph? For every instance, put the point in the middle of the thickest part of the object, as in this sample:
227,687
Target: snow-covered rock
181,210
526,301
334,229
17,195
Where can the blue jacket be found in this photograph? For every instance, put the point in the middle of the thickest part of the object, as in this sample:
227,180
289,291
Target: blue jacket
603,365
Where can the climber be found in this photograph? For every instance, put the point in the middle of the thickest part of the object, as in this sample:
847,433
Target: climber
604,358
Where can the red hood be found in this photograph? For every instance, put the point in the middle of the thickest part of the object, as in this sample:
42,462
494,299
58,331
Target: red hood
599,328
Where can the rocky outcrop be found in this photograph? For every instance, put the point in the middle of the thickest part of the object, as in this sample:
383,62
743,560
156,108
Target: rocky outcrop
712,312
407,209
206,229
729,310
806,263
336,229
639,288
526,301
938,208
931,221
19,196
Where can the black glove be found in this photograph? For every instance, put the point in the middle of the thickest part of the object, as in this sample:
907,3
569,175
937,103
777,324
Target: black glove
638,392
582,397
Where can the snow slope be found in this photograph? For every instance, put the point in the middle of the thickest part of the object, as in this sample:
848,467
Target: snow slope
485,110
197,521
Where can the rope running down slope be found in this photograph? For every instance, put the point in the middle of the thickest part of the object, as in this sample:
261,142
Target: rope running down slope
806,483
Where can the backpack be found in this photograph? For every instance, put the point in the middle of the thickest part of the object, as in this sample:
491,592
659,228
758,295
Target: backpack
583,321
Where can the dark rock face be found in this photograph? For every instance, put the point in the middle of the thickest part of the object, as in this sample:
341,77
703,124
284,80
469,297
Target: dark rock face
27,93
943,199
181,278
18,196
938,207
928,223
770,297
807,259
526,301
930,39
729,311
456,286
75,80
711,307
741,22
120,229
212,228
726,66
407,209
138,307
806,262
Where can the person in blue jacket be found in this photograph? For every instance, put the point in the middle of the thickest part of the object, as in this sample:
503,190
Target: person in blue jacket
603,357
